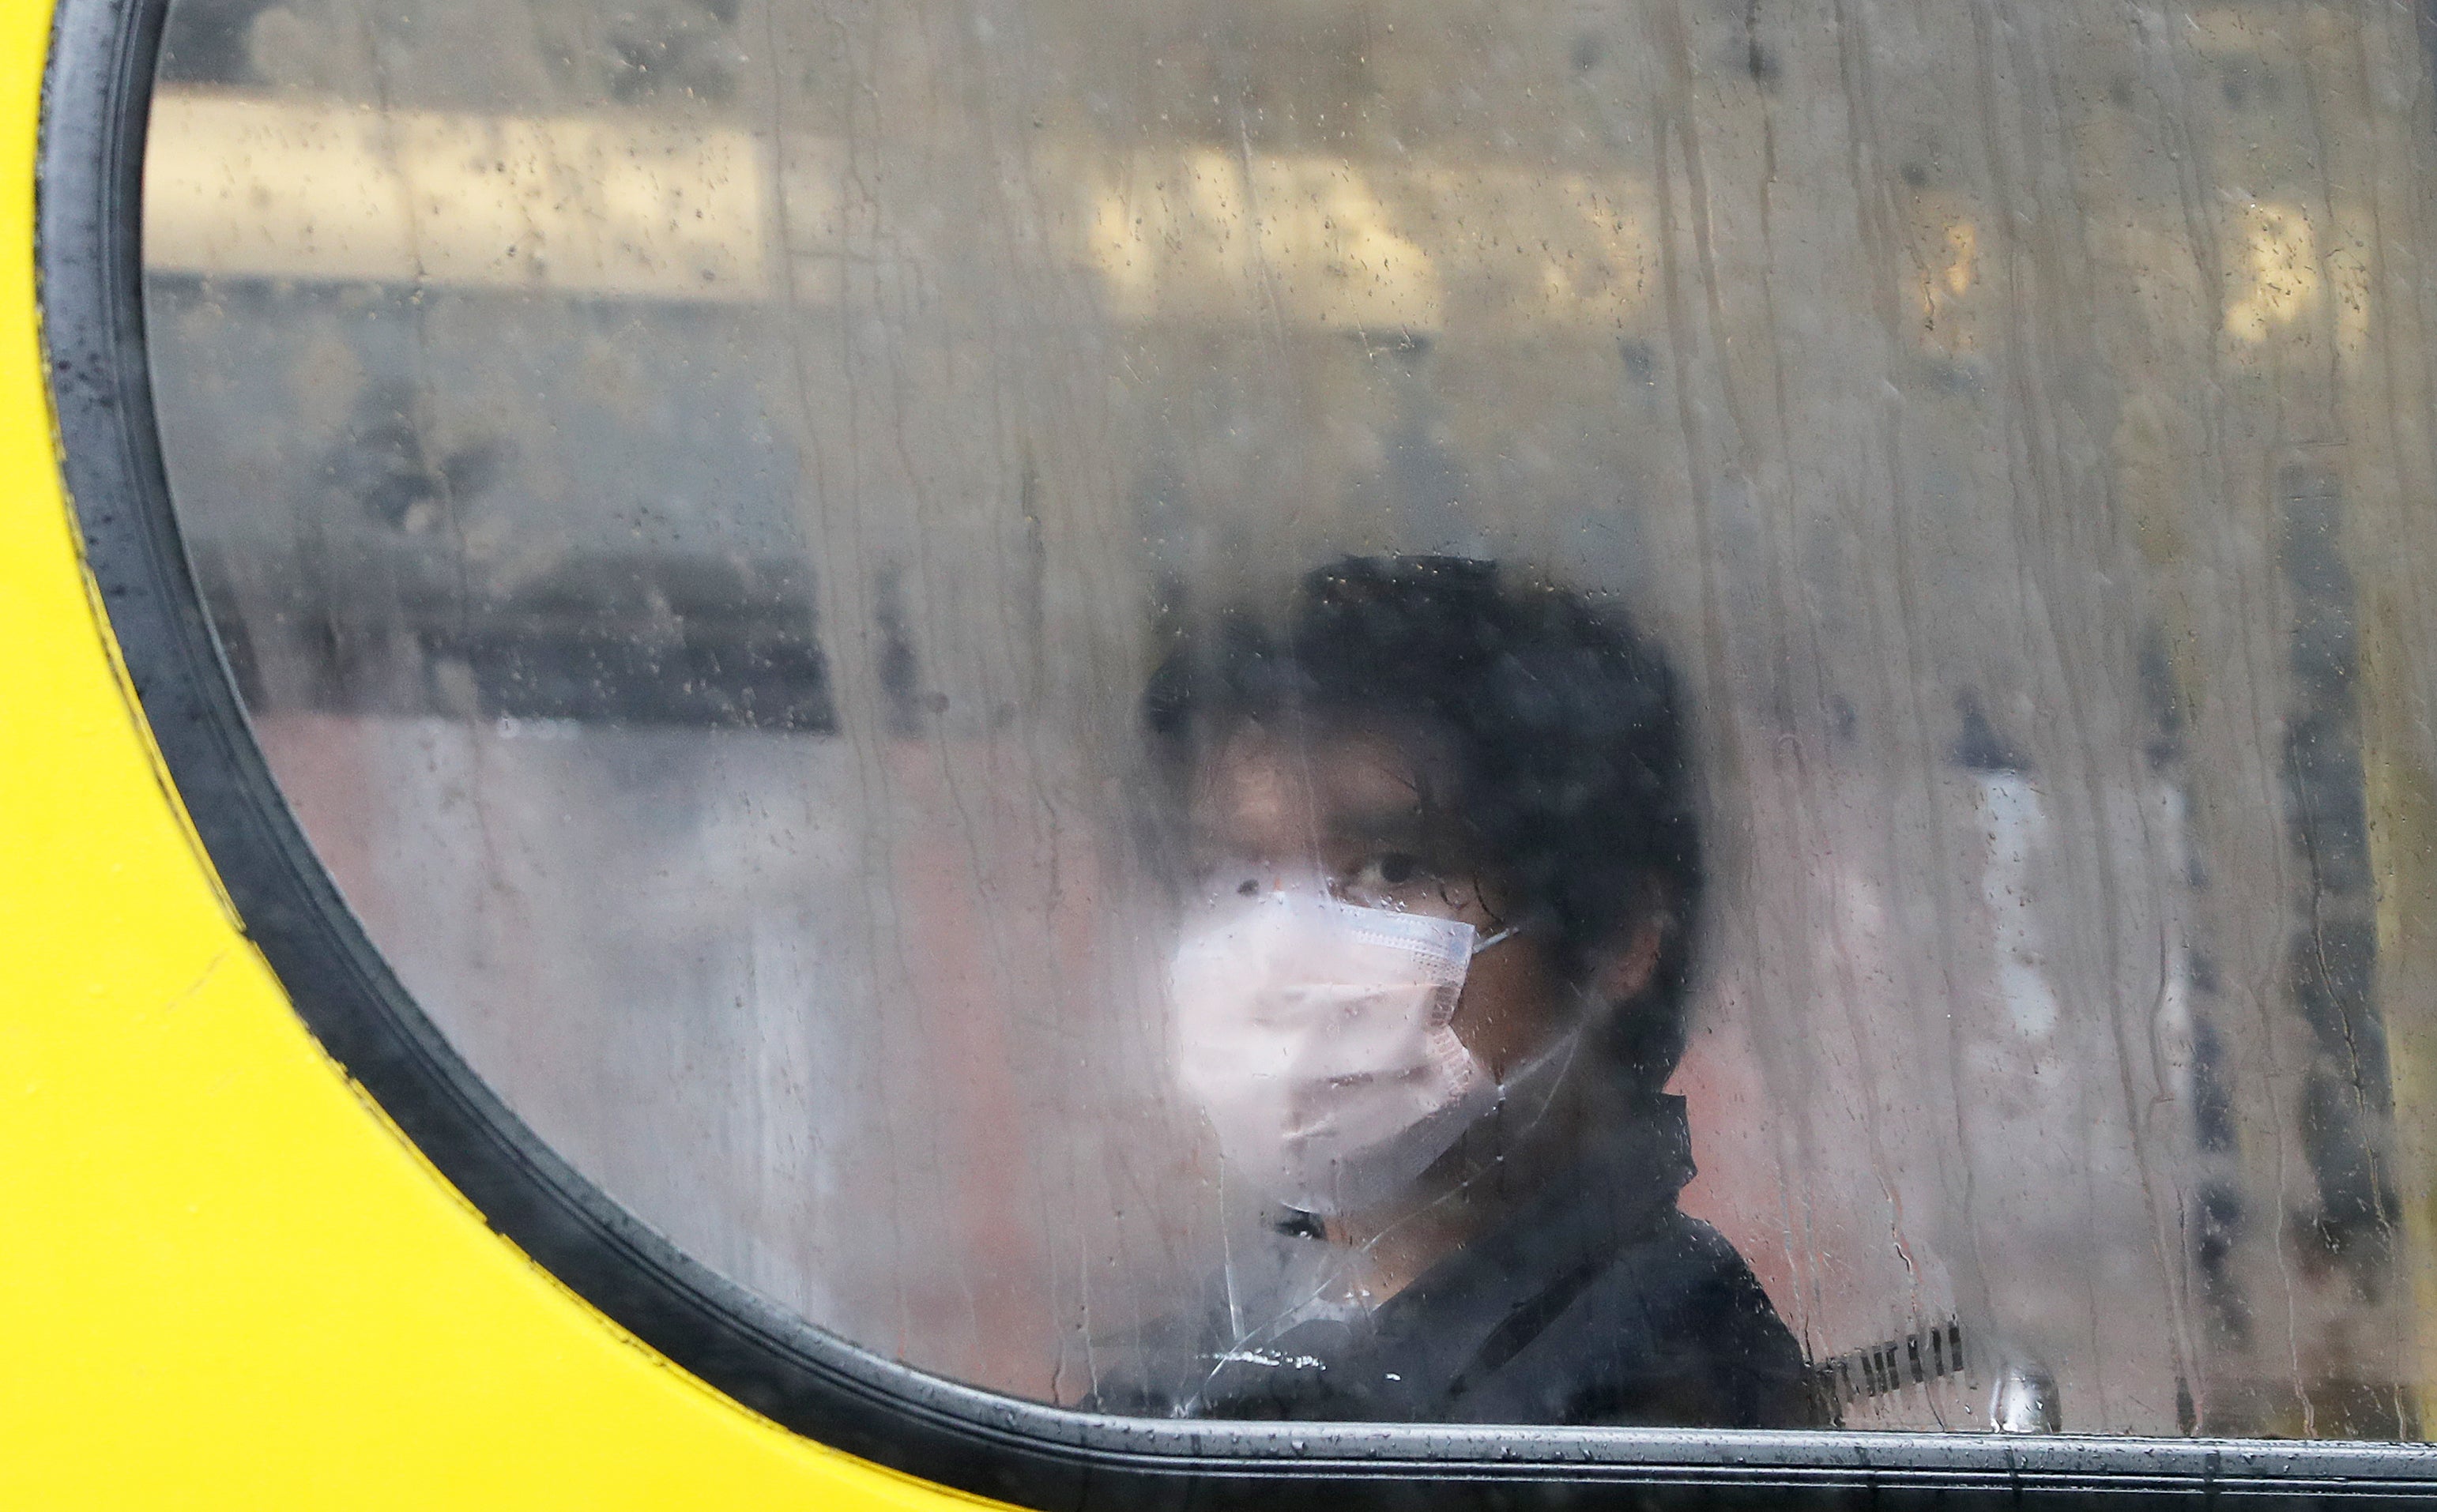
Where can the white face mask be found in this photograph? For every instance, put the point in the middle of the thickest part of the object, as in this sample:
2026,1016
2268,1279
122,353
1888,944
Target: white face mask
1314,1034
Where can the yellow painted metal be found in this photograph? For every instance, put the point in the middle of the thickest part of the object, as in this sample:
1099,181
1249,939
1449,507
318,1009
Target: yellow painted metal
228,1281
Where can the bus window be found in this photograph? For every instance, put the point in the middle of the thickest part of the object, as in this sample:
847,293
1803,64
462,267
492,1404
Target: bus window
1626,713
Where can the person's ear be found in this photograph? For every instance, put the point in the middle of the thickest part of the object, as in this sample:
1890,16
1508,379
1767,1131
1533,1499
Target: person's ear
1621,967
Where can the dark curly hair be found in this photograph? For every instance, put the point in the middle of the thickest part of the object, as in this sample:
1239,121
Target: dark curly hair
1559,720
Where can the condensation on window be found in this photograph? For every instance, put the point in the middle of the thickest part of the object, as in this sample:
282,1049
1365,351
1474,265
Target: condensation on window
693,494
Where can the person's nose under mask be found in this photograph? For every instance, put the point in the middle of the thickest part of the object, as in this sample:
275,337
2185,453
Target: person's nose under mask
1314,1034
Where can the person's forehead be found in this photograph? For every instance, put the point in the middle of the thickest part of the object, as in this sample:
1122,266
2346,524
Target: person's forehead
1268,785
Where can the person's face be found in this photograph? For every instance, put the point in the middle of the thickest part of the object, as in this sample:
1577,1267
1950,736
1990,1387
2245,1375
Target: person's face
1364,808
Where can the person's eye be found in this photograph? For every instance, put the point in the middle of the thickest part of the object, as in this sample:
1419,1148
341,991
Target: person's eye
1230,877
1386,871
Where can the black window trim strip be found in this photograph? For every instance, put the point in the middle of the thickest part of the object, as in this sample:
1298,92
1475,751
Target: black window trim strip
98,82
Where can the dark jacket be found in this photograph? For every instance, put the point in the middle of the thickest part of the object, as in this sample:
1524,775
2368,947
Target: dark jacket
1599,1302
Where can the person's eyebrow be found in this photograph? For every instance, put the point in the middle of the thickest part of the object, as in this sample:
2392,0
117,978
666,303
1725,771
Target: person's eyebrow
1383,820
1404,831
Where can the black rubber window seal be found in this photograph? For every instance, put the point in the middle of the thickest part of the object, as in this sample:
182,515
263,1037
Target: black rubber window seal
98,85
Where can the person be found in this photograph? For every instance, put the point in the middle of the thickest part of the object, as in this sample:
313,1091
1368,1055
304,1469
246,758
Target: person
1428,989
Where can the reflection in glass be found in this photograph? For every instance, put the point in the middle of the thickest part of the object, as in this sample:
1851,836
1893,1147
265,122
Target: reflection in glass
694,494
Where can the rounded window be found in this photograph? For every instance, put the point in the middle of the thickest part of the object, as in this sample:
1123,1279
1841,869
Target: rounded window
1705,714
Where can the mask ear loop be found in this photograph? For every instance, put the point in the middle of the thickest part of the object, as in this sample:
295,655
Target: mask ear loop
1556,1062
1562,1054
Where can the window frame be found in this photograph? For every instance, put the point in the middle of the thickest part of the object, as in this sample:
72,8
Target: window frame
98,85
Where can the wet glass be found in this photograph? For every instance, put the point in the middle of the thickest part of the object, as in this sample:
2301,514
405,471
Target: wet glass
693,494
